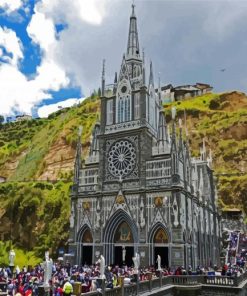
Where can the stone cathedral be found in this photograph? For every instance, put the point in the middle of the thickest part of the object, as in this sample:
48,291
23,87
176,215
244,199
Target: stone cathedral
139,189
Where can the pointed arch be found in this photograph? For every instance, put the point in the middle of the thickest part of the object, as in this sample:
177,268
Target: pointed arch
85,228
158,228
85,239
111,227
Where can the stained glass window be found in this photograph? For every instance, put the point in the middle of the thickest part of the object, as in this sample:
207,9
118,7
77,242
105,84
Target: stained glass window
160,237
123,234
87,237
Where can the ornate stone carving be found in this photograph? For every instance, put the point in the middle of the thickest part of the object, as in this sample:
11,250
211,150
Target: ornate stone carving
158,201
86,206
175,212
142,219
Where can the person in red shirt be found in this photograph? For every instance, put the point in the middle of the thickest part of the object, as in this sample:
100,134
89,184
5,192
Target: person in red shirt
59,291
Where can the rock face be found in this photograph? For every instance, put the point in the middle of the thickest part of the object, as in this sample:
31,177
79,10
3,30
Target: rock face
58,162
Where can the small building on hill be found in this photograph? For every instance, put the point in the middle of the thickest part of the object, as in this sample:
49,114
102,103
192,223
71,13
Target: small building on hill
168,93
2,179
23,117
204,88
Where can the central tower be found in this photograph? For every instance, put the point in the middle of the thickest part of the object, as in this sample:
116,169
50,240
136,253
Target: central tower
130,98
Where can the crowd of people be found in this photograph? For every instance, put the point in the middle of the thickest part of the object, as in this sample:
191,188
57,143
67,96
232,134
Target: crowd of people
237,248
27,282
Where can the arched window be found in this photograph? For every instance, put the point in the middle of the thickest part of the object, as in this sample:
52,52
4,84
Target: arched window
87,236
123,234
160,236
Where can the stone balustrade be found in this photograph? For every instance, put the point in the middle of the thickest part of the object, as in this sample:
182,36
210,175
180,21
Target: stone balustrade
172,282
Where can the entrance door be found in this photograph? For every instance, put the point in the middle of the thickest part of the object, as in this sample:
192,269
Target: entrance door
163,252
118,255
129,255
87,254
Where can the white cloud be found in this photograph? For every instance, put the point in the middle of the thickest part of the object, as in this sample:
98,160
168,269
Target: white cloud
97,29
10,6
12,44
91,11
44,111
17,93
41,30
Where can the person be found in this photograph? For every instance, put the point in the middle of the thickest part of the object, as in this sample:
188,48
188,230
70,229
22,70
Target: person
67,288
59,291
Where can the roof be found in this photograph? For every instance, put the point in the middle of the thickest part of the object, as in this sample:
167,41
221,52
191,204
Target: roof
202,85
186,87
23,115
232,210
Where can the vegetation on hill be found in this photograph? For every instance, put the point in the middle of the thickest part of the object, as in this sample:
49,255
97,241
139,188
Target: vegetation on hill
221,119
34,217
26,147
37,158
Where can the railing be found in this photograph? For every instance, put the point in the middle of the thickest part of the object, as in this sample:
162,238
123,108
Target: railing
153,284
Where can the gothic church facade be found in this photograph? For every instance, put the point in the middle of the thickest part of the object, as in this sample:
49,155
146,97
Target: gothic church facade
139,190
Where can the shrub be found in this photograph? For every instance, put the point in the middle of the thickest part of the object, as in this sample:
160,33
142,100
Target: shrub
214,105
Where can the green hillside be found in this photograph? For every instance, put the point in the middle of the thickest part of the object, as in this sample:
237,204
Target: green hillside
222,120
37,158
26,148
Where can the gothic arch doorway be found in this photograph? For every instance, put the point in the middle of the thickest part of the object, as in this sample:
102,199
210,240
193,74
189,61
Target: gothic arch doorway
123,245
86,246
159,245
120,239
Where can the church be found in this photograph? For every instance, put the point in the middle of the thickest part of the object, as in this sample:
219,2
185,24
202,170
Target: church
139,189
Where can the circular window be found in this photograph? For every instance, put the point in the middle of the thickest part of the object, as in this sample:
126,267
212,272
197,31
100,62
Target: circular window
124,89
121,158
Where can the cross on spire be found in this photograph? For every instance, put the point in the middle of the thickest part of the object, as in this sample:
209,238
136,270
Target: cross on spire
133,8
133,42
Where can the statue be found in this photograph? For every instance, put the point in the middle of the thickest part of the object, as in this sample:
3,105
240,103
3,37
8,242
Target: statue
47,266
123,254
97,223
136,261
101,262
175,212
11,258
159,262
72,217
142,219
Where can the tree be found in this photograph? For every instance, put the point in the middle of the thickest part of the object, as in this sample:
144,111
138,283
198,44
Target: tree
1,119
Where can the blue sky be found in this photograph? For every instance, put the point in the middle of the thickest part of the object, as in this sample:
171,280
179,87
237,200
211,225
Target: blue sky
52,50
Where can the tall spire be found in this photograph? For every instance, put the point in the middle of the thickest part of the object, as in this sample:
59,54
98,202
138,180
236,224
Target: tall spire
103,79
133,43
94,149
159,92
163,141
151,75
143,68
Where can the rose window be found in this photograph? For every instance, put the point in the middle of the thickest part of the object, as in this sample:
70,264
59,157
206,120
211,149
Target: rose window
121,158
